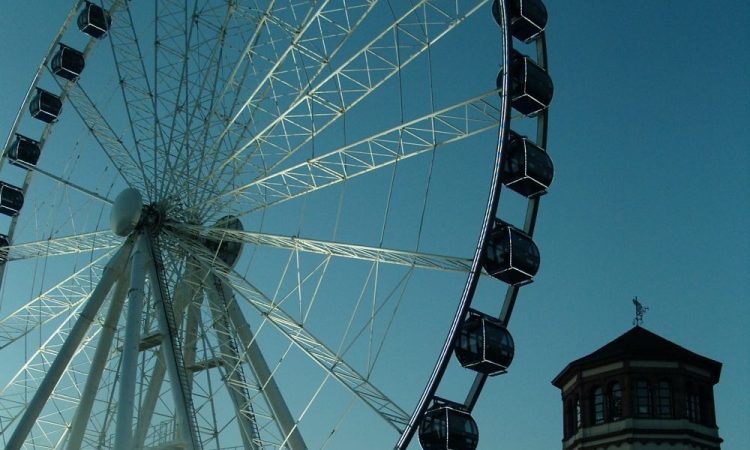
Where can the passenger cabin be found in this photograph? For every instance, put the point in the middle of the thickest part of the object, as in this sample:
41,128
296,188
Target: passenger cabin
4,244
531,87
94,21
510,255
525,167
11,199
448,426
484,344
68,63
24,152
528,18
45,106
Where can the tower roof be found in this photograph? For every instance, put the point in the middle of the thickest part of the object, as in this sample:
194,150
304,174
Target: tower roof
639,344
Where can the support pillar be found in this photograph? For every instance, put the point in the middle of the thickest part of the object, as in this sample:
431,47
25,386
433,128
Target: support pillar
231,361
169,346
129,358
83,412
111,273
258,365
183,298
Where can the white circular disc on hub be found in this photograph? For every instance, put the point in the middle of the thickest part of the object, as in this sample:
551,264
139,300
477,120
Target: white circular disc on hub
126,212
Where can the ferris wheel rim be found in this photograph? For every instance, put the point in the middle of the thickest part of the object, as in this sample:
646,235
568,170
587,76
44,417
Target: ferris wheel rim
504,315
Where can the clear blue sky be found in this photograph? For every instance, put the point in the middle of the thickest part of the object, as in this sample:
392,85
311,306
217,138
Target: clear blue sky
649,135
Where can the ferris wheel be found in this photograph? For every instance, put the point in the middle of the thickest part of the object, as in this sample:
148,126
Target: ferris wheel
269,224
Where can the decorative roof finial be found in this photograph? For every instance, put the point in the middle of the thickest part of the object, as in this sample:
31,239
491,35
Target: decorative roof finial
640,310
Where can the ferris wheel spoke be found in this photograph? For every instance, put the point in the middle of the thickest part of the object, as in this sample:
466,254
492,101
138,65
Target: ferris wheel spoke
66,182
315,349
137,93
312,44
62,298
288,57
451,124
401,43
174,32
131,170
78,243
237,65
361,252
206,58
184,34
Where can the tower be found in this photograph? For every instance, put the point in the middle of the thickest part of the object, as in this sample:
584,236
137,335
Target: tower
639,392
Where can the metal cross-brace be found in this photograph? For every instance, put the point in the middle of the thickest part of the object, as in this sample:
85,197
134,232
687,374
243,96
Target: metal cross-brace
297,334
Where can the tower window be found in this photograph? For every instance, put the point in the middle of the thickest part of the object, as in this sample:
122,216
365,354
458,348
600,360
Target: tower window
569,419
709,415
573,417
598,402
664,399
692,404
615,401
642,398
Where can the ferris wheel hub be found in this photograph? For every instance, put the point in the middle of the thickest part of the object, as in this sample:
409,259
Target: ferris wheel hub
126,212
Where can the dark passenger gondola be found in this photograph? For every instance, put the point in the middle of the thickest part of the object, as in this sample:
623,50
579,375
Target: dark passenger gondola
24,152
45,106
526,168
11,199
68,63
484,344
448,426
510,255
531,87
94,21
4,244
527,18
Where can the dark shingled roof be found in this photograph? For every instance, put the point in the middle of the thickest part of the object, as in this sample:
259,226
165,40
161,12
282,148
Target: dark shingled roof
639,343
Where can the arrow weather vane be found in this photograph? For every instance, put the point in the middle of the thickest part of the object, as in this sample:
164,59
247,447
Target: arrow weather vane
640,310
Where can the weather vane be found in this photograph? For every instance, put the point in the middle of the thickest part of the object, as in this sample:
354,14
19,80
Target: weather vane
640,310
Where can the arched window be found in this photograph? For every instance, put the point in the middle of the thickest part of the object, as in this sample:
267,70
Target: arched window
597,395
642,398
664,399
615,401
579,415
692,404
